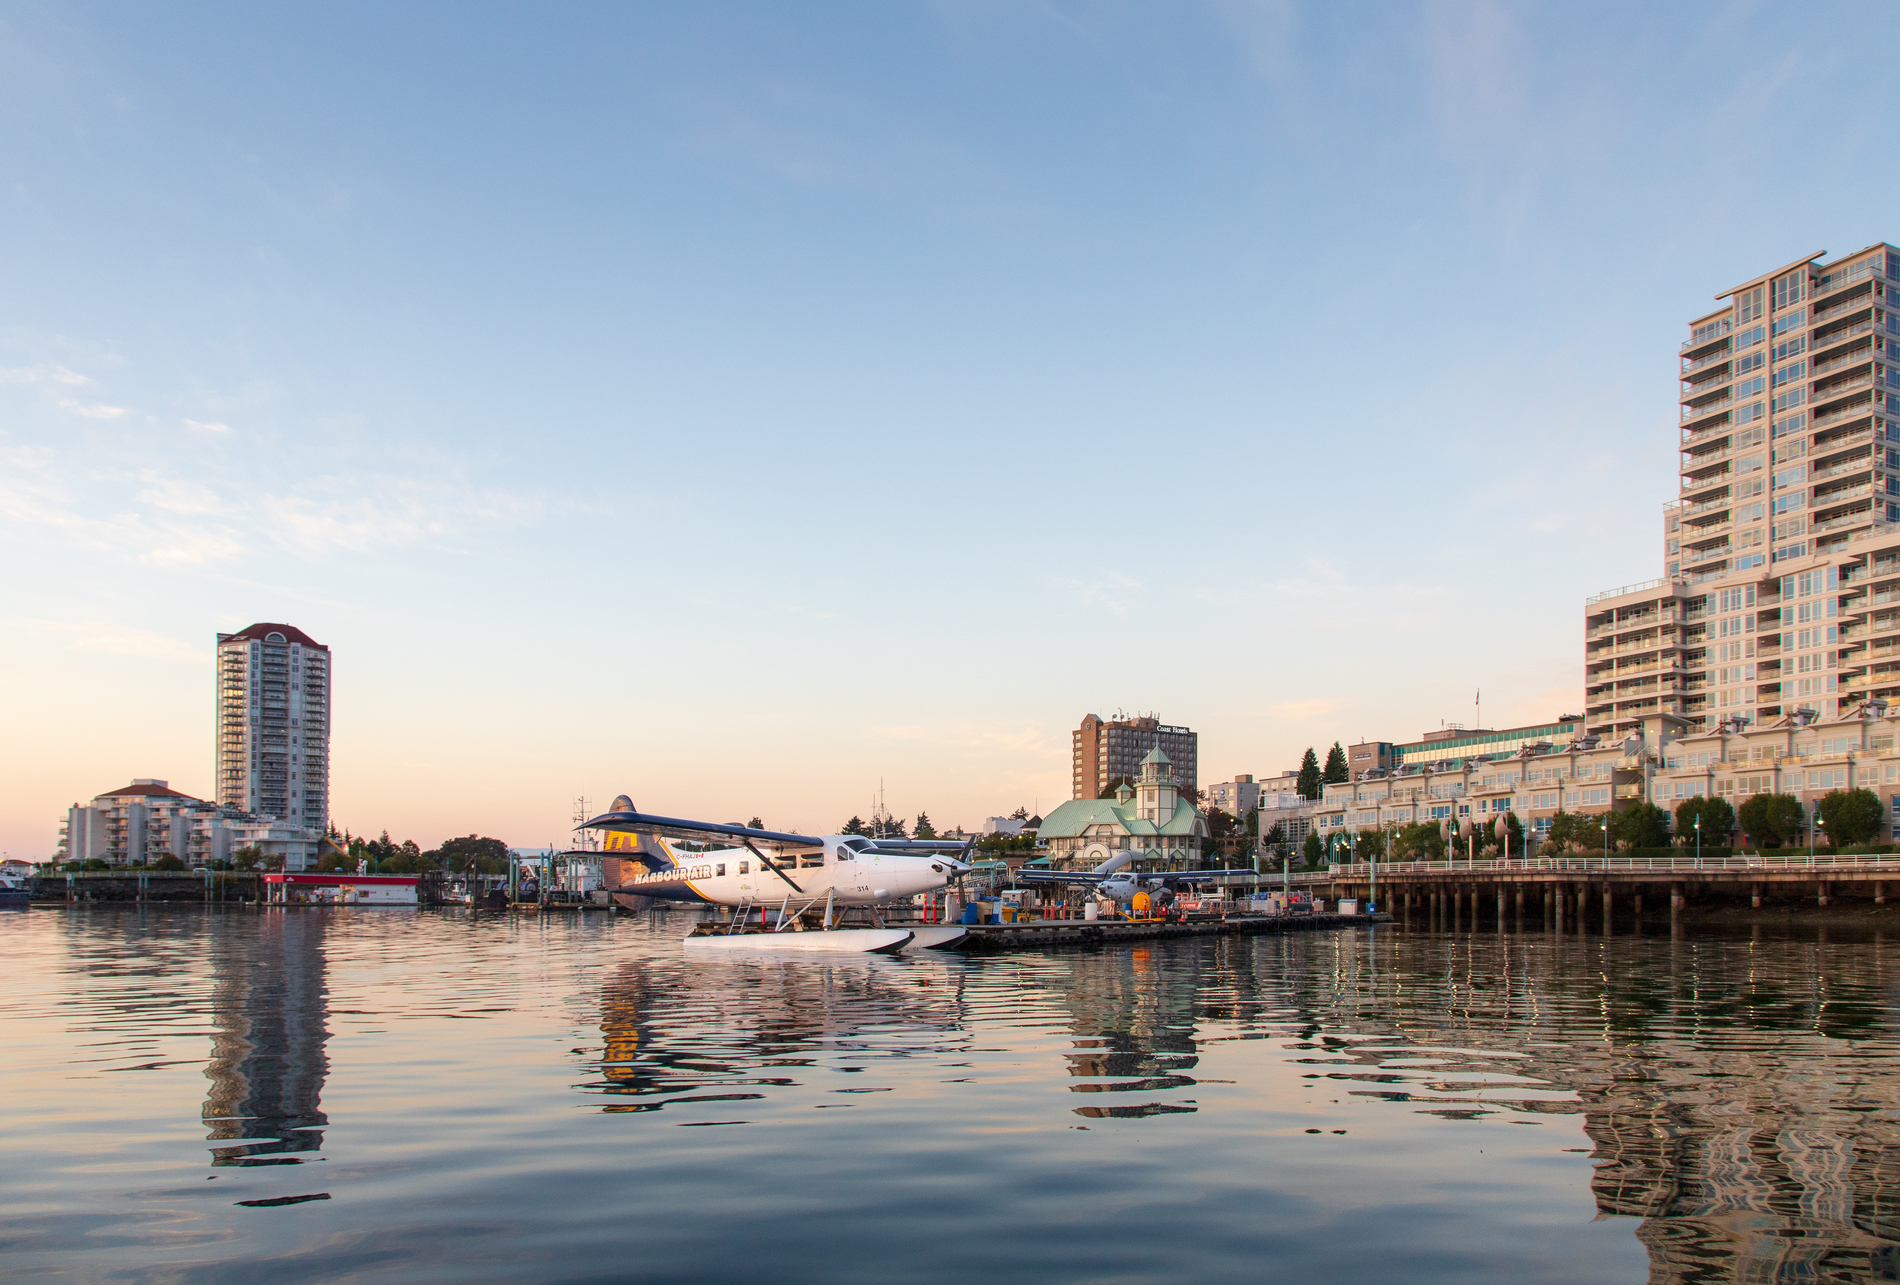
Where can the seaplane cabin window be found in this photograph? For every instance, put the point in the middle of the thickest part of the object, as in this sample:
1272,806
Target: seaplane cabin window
745,867
719,869
811,860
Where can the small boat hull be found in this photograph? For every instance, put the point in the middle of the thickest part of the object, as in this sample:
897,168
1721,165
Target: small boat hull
859,941
19,897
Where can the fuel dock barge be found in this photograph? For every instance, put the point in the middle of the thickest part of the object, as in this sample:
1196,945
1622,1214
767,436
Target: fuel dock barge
1051,934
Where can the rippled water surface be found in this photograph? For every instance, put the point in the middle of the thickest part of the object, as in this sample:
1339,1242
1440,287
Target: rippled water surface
402,1095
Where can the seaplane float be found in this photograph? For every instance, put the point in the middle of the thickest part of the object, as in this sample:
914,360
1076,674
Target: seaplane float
775,883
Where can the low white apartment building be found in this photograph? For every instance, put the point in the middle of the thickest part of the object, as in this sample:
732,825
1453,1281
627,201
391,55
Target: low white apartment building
1801,754
1236,798
146,820
1535,779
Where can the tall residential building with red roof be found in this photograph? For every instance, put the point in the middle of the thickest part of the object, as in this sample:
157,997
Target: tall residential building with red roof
273,724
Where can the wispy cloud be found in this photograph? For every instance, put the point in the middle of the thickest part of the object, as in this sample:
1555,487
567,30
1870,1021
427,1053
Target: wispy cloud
208,428
1114,591
98,638
95,410
176,495
42,373
1302,711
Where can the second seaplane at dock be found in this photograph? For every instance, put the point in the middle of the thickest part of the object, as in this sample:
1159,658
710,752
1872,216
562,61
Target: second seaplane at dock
773,881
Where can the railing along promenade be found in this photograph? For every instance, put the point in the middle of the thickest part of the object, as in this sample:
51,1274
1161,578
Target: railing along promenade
1734,864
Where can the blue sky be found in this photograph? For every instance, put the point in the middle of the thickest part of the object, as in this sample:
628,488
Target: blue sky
736,406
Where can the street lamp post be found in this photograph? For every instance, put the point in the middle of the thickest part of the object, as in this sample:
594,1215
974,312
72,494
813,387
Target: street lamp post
1698,836
1605,824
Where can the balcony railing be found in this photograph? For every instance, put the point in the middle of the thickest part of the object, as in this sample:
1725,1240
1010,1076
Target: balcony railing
1844,388
1692,414
1837,415
1842,496
1859,464
1703,363
1840,336
1841,361
1860,518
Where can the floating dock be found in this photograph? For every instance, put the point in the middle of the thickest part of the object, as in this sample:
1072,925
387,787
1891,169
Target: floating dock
1050,934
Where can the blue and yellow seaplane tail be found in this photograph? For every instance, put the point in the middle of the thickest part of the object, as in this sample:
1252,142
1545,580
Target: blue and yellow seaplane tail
779,877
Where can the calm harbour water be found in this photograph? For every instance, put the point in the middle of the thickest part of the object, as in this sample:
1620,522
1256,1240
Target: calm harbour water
570,1098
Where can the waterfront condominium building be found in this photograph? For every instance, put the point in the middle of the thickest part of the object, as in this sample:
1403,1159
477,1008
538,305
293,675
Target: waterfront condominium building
1780,589
273,724
147,820
1101,751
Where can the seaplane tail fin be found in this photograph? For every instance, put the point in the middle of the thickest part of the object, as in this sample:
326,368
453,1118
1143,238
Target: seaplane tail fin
1114,863
646,848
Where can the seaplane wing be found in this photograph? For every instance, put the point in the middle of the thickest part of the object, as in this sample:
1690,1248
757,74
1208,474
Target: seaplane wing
631,822
1123,876
923,845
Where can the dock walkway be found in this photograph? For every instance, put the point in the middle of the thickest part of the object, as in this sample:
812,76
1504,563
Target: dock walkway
1050,934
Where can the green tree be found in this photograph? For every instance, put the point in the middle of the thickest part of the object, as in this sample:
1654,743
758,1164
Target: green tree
755,824
1566,828
1419,841
1308,783
1369,845
1850,816
923,829
854,826
1312,850
1717,817
483,856
1643,826
1115,783
247,857
168,862
1773,820
1335,771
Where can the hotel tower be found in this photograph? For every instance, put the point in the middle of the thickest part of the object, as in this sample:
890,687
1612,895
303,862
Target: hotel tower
273,724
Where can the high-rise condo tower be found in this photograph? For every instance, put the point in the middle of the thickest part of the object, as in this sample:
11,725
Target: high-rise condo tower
273,724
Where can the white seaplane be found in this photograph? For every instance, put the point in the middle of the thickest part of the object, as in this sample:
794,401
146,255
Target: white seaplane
644,857
1111,880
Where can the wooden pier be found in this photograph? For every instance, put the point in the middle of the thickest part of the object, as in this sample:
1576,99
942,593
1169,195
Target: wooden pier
1054,934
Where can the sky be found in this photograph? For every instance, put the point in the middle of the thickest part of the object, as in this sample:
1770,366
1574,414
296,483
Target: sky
744,407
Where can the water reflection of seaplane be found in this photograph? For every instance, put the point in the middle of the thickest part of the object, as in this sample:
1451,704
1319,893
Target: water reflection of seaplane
645,858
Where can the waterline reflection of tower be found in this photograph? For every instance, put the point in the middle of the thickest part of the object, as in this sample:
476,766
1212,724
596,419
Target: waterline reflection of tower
269,1028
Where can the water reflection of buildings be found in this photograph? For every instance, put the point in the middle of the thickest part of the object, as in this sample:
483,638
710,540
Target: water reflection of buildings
1132,1014
1744,1104
268,1064
1767,1164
